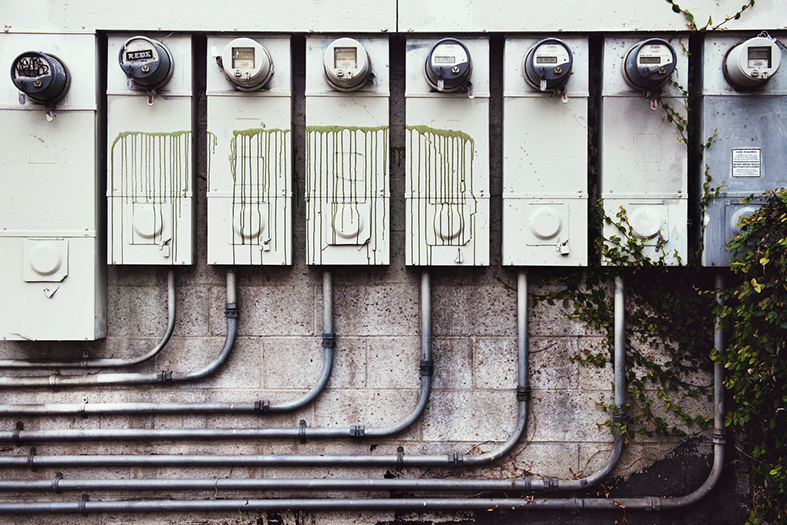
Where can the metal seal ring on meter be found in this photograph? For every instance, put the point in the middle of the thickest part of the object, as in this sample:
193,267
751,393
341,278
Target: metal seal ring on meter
750,64
147,62
40,76
547,65
649,64
247,64
448,66
347,65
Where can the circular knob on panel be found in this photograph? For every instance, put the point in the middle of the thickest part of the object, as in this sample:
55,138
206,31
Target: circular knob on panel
40,76
645,223
545,223
247,64
448,222
347,222
45,259
248,223
750,64
649,64
448,66
147,222
547,65
737,216
346,64
146,61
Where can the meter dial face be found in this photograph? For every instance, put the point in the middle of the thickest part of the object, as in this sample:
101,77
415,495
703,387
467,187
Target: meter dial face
42,77
346,65
146,61
649,64
247,64
750,64
448,66
547,65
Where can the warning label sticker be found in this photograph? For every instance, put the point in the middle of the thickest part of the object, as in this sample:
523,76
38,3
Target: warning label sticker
746,162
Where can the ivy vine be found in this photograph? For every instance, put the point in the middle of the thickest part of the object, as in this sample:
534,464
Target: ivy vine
755,318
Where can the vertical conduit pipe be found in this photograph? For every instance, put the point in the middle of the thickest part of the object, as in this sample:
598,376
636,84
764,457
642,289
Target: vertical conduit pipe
328,351
426,365
109,362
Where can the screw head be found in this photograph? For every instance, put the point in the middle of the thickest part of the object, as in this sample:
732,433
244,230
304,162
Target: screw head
455,69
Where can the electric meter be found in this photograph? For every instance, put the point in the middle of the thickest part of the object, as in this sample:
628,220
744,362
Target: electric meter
649,64
448,66
42,77
547,64
752,63
146,62
247,65
347,65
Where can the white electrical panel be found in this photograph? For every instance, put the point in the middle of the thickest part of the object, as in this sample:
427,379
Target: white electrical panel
150,176
52,279
249,92
447,148
545,107
347,179
644,155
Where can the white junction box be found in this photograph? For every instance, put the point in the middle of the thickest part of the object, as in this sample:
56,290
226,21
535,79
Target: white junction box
150,176
447,150
644,168
249,91
347,179
545,152
52,276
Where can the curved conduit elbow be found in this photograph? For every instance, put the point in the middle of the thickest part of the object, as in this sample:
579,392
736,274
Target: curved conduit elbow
108,362
56,380
651,503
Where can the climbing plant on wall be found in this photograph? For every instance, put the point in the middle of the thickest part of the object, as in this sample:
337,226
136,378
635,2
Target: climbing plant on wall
755,318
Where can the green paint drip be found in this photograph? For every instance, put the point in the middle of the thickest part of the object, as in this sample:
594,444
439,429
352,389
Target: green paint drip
258,161
152,168
343,185
440,164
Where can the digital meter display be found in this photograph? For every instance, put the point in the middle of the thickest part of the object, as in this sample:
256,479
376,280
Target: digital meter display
242,58
345,57
650,60
442,59
546,60
759,56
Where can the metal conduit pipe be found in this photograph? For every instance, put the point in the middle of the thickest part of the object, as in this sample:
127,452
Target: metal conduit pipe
108,362
648,503
301,432
523,395
20,435
56,380
253,407
525,484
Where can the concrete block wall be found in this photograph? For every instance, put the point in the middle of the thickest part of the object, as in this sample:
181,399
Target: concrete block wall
375,379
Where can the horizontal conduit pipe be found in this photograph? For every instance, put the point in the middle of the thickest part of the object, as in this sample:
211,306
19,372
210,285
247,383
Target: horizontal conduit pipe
108,362
57,380
650,503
